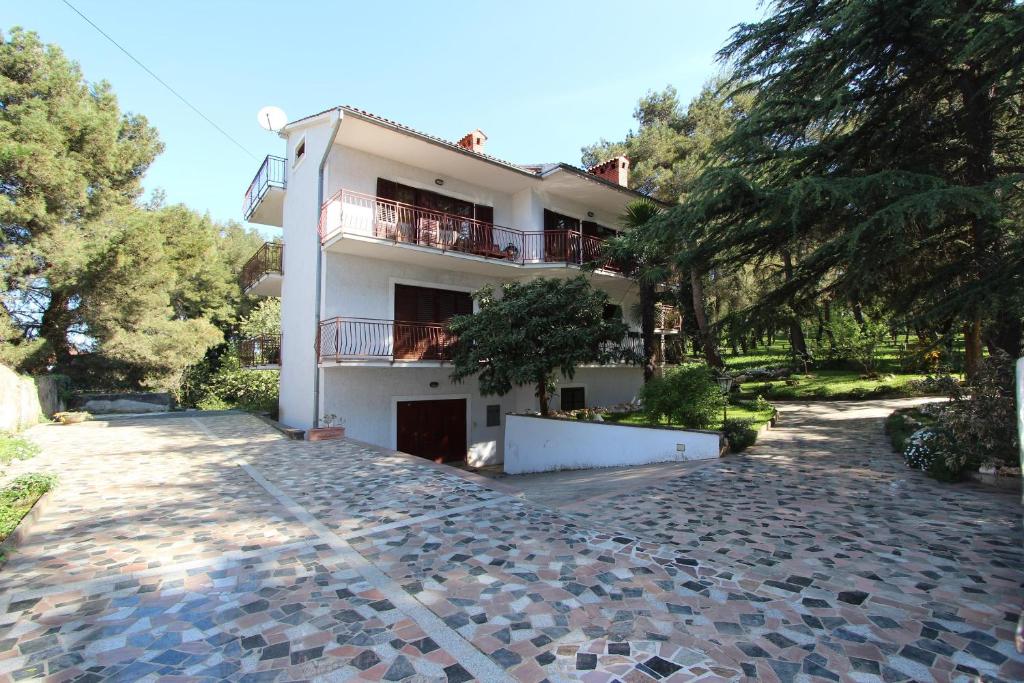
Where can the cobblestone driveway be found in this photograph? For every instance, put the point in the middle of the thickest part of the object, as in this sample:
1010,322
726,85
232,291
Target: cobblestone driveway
211,548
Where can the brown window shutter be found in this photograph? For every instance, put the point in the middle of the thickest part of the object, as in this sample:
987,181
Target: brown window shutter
484,214
385,188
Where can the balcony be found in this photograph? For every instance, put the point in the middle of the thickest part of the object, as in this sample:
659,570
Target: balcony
260,352
262,274
370,219
264,200
360,340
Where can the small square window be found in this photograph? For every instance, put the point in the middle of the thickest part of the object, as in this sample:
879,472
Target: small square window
494,416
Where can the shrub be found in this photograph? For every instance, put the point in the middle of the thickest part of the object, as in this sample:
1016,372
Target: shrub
232,386
922,448
740,434
937,385
687,395
981,418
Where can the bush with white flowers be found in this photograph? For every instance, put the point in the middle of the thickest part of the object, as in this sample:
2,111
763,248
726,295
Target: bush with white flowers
922,449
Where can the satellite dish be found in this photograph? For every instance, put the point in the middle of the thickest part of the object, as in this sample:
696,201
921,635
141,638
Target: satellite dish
271,118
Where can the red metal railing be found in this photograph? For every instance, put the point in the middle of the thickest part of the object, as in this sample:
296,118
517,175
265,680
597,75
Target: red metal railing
270,174
268,259
256,351
369,338
362,214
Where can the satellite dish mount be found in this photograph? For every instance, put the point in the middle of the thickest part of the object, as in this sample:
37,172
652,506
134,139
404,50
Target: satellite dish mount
272,119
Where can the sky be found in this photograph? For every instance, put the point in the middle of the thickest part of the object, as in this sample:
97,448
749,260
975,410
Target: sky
542,79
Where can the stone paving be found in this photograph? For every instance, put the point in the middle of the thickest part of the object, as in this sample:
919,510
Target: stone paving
211,548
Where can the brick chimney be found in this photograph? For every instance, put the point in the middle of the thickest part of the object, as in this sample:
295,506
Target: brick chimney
474,141
615,170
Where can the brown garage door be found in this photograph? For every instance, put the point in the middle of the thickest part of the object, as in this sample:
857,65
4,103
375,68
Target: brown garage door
435,430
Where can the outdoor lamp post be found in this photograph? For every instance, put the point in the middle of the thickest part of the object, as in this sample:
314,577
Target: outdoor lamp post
725,384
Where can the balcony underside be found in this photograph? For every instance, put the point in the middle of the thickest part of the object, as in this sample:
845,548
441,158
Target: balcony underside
269,209
434,257
268,284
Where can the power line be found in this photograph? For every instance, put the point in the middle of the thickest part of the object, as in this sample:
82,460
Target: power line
160,80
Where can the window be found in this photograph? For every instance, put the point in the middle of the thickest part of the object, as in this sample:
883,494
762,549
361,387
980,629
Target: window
434,201
494,415
300,151
559,221
573,398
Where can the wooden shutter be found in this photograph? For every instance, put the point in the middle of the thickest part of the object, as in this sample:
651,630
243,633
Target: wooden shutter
385,188
484,214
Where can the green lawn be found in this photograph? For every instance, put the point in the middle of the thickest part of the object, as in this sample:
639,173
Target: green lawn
741,411
832,384
825,384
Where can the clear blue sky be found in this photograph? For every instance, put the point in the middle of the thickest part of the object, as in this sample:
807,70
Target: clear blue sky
541,79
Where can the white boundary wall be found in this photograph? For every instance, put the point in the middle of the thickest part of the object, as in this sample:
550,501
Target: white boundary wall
538,444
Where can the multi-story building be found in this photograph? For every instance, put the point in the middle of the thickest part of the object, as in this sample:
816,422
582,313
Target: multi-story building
386,233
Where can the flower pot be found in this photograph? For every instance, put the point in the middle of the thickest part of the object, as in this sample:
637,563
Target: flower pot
325,433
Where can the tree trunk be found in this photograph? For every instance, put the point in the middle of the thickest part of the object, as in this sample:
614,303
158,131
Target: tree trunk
542,394
647,313
707,338
54,327
972,348
797,343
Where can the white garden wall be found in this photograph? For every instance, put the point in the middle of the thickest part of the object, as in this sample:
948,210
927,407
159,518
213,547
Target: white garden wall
539,444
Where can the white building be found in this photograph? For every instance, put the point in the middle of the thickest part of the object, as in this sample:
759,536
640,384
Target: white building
383,223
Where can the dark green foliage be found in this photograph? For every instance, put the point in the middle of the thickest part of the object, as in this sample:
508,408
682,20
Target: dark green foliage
533,330
740,434
687,395
882,154
981,419
113,293
223,383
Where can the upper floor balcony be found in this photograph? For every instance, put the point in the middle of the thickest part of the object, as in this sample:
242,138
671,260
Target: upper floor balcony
365,340
263,272
359,223
264,200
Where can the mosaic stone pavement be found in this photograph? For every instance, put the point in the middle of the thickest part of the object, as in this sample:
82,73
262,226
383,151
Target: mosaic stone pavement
213,549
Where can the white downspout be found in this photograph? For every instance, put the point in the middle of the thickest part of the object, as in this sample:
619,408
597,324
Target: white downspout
336,116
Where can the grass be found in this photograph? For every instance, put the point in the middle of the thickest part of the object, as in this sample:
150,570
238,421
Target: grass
15,448
18,497
831,384
743,410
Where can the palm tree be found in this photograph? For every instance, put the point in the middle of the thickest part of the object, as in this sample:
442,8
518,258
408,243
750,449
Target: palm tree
644,264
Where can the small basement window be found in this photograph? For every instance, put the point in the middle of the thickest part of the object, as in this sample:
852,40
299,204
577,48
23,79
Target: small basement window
494,415
573,398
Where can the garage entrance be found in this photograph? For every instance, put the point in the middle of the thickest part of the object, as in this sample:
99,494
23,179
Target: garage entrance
435,430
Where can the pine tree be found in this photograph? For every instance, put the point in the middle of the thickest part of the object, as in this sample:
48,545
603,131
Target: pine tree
883,151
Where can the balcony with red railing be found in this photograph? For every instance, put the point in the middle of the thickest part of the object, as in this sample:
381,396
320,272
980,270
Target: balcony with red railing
354,213
262,273
260,352
264,200
370,339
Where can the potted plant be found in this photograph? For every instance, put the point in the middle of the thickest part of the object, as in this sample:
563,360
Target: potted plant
333,429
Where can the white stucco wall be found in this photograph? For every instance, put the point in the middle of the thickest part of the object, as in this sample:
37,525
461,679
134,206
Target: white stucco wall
366,398
298,290
536,444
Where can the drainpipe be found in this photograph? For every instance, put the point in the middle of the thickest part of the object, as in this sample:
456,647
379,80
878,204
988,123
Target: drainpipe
336,123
